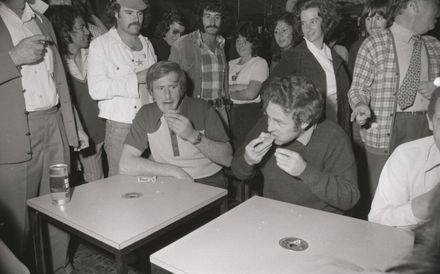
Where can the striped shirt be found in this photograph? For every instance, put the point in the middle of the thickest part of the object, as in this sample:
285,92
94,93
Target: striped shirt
376,83
213,68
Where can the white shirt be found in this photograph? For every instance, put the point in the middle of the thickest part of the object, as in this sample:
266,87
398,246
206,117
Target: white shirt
112,76
404,49
256,69
37,79
74,69
325,59
412,169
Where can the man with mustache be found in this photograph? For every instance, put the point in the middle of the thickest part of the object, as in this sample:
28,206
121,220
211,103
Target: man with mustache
117,65
201,55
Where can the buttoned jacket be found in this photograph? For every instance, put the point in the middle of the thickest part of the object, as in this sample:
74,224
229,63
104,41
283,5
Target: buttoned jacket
15,145
300,61
376,84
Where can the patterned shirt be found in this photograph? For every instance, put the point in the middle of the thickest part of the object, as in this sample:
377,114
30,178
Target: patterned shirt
213,68
376,83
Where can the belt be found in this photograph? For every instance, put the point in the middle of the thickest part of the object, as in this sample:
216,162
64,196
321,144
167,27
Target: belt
39,113
220,102
411,113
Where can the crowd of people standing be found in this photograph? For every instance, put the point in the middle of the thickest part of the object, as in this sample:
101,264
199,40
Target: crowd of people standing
309,124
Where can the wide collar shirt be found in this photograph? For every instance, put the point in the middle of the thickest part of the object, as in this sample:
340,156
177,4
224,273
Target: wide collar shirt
325,59
112,80
38,82
412,170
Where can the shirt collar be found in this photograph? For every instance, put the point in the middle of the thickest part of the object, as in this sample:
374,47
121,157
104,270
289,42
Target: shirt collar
305,137
433,157
28,13
324,52
401,34
114,33
220,40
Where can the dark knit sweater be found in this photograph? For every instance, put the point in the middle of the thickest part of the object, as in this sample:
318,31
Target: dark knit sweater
329,181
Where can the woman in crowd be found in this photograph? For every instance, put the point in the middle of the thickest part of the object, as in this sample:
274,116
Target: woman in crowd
169,29
246,75
96,27
374,18
73,38
284,37
313,59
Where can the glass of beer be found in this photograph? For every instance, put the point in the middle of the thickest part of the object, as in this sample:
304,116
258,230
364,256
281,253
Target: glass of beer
59,184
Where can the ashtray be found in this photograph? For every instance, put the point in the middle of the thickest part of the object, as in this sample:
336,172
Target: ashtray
292,243
131,195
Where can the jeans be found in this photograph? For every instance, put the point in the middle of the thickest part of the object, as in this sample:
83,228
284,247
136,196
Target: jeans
115,134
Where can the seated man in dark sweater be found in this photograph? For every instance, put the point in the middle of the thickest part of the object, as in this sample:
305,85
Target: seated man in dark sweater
303,160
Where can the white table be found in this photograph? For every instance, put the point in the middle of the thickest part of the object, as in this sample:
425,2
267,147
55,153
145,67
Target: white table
99,214
246,240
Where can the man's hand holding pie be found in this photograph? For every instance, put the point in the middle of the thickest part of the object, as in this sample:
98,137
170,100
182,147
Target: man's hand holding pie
257,148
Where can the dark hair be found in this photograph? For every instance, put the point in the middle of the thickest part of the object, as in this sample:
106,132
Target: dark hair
83,9
167,20
289,19
163,68
396,7
296,95
373,7
208,5
327,12
426,254
250,32
113,7
63,18
432,102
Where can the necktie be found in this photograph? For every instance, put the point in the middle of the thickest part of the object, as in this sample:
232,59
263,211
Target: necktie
410,84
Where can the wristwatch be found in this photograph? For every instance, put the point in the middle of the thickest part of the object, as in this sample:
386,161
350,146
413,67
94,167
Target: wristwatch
198,138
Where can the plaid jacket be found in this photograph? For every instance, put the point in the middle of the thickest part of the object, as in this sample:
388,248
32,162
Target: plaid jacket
376,83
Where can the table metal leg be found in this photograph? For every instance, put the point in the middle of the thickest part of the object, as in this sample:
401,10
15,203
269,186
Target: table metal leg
37,240
121,263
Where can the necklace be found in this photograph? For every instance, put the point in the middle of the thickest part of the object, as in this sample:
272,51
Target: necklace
237,73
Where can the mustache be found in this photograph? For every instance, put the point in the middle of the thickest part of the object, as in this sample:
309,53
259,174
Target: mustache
215,27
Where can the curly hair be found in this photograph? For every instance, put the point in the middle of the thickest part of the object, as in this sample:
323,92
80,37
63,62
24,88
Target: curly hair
373,7
209,5
327,12
63,18
167,20
250,32
113,7
163,68
296,95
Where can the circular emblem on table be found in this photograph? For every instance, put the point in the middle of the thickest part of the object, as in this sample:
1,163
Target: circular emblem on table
131,195
292,243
